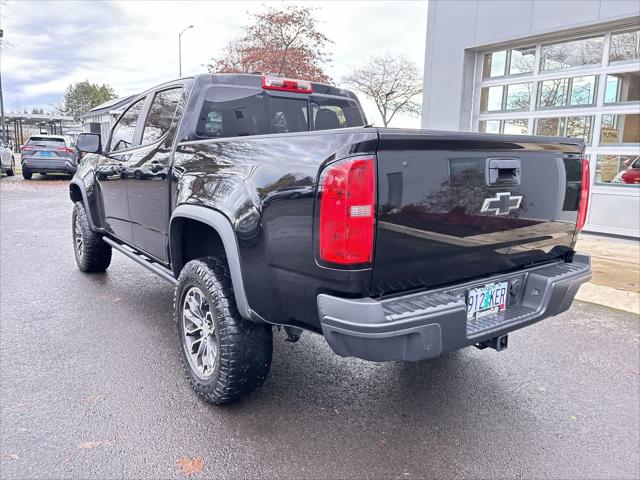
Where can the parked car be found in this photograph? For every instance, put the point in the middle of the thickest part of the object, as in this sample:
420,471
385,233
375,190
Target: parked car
7,160
48,154
630,175
281,207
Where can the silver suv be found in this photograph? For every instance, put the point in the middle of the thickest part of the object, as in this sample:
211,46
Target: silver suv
48,154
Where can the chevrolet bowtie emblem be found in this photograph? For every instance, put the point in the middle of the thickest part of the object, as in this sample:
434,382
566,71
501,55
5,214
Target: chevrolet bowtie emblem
501,204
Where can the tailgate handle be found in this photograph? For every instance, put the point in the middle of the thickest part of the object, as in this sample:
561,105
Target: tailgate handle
502,171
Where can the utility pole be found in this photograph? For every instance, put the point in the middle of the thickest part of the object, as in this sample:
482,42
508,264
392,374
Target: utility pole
180,50
3,124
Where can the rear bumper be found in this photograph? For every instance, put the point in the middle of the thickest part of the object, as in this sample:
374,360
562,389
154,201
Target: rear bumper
49,165
424,325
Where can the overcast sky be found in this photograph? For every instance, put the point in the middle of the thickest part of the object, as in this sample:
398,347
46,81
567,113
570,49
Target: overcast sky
133,45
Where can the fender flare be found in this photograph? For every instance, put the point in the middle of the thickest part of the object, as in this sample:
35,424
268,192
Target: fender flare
85,202
221,224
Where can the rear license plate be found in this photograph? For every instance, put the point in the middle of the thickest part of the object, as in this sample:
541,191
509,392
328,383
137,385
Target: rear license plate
487,300
46,154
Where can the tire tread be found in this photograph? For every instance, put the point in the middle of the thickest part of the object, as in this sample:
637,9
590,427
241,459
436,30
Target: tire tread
245,347
96,253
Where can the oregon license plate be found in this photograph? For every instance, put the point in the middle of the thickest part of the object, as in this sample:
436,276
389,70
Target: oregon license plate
487,300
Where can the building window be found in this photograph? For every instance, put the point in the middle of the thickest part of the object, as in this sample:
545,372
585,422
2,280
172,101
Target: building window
618,170
516,96
489,126
508,127
620,129
563,92
625,47
573,54
515,61
576,127
579,127
495,64
516,127
622,88
522,60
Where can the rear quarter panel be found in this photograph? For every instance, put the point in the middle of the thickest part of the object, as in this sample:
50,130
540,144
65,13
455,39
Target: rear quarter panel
266,186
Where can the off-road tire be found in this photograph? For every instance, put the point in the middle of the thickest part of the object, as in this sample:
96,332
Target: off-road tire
244,348
27,174
92,254
11,171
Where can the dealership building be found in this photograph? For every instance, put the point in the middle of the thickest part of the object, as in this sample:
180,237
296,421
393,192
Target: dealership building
564,67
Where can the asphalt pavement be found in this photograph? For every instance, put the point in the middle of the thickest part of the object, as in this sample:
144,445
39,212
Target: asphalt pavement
91,386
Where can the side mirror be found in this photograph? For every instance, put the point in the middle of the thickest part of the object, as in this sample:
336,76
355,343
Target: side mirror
89,143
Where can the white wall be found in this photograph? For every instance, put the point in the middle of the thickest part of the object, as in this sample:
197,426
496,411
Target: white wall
456,26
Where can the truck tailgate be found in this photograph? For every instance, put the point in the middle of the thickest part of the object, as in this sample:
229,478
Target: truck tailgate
459,206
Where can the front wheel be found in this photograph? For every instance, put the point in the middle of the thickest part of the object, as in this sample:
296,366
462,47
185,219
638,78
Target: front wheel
224,356
92,253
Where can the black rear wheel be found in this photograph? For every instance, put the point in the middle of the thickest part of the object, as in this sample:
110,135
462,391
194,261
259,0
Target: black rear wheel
224,356
26,174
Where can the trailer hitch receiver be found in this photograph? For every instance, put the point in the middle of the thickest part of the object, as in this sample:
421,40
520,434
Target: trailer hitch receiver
497,343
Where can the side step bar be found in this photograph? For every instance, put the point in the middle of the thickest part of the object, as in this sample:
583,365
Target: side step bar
142,260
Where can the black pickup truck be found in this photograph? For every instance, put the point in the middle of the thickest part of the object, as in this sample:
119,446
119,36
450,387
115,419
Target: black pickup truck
271,202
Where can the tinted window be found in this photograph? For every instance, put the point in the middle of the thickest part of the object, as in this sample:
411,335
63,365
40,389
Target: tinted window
236,112
231,112
329,112
288,115
46,142
163,108
124,130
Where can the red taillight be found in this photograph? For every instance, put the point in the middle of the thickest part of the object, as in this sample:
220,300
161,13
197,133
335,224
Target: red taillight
25,147
286,84
65,149
347,211
584,195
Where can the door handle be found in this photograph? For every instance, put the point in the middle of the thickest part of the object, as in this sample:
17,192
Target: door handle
502,172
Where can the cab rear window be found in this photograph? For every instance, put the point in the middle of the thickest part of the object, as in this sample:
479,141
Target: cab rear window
240,112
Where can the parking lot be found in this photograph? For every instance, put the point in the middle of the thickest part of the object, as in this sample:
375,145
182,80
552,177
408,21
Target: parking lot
92,385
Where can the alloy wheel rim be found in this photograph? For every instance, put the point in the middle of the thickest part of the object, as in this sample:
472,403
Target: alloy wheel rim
77,237
199,331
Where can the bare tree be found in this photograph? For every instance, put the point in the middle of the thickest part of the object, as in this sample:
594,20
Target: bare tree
393,82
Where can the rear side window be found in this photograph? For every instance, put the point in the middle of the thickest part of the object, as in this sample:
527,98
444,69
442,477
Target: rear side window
161,114
123,132
46,142
329,112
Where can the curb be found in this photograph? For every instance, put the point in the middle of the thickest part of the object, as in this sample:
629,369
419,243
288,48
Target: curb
610,297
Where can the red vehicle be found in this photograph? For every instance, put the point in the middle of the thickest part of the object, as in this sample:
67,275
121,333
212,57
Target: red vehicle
631,175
